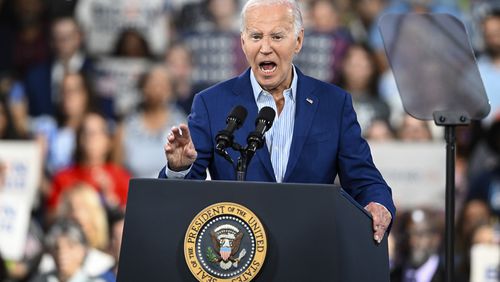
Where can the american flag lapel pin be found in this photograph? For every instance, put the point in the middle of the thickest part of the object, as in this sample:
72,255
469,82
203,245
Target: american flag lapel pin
309,100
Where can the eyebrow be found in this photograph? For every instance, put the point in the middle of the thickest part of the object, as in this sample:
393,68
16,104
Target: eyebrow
254,32
279,32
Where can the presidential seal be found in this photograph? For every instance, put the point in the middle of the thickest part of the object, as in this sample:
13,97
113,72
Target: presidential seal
225,242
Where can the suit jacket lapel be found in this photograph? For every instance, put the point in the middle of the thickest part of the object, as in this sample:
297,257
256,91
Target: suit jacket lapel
244,93
306,106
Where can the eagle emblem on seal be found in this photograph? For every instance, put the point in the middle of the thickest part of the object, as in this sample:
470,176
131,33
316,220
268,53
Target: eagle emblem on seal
226,241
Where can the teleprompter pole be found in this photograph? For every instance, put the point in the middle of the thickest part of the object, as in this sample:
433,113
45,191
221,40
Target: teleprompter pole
450,120
450,202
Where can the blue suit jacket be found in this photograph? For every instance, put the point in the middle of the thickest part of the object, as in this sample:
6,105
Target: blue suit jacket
326,139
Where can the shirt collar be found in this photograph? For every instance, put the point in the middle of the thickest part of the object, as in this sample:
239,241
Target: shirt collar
75,62
426,271
257,89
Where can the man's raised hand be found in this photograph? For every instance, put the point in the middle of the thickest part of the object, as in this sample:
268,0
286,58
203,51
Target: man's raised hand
179,148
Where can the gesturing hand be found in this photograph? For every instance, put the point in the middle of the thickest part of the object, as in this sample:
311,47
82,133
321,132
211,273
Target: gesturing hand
381,220
179,149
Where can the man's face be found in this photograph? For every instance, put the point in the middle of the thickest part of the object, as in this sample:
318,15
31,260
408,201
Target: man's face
66,38
424,242
491,29
269,44
324,16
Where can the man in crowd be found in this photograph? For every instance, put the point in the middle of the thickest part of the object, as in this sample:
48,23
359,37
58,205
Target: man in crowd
489,61
421,260
43,81
315,135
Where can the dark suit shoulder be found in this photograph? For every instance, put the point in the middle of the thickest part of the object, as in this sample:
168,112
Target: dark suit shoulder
41,68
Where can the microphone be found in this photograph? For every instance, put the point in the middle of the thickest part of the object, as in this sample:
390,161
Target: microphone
234,121
263,123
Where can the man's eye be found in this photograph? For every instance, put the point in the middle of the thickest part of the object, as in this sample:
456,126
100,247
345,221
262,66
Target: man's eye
255,37
277,37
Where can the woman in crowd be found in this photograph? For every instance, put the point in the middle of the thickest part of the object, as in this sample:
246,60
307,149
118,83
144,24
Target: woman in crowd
67,244
76,101
359,77
82,204
93,166
143,133
132,44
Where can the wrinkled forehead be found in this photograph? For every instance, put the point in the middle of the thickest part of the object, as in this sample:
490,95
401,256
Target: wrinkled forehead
269,16
266,4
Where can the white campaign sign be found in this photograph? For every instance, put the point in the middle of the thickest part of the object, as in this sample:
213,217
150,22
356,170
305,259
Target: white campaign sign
415,171
485,263
14,223
19,179
103,21
117,80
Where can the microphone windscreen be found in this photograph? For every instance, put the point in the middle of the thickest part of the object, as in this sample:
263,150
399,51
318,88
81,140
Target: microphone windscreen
267,114
239,113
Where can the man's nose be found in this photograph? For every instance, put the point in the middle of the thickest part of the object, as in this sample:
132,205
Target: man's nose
266,47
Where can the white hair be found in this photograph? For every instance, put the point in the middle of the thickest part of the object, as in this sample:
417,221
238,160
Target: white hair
292,4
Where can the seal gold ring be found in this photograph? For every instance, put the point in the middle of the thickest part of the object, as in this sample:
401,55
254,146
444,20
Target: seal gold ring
225,242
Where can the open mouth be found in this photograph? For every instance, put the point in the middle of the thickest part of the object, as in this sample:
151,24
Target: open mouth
267,67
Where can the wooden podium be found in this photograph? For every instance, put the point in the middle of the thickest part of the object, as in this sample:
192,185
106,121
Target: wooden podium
314,232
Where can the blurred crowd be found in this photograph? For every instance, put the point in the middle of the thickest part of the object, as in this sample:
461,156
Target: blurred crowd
99,83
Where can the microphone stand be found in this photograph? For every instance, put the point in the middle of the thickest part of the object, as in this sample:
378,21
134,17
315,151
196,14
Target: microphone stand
241,166
255,141
246,155
244,159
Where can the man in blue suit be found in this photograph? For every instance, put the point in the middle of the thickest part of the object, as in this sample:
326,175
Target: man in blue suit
315,135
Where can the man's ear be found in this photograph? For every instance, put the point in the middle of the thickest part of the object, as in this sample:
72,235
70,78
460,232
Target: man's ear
242,42
300,41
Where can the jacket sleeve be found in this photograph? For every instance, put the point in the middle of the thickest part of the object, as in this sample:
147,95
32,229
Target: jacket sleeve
357,172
